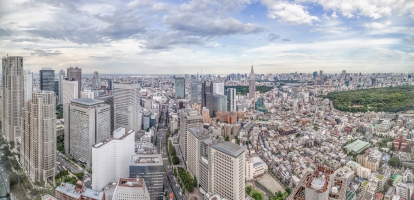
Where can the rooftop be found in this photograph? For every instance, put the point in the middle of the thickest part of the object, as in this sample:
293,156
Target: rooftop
69,189
198,131
229,148
87,101
357,145
131,182
146,160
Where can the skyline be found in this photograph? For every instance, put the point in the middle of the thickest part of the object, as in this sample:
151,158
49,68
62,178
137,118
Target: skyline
183,37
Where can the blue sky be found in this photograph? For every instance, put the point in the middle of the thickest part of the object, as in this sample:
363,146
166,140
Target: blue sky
218,36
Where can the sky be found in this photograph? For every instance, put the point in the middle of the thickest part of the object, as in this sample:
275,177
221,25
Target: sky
212,36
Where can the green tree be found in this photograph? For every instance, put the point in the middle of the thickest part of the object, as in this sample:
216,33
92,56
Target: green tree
195,181
257,195
175,160
288,190
394,161
249,190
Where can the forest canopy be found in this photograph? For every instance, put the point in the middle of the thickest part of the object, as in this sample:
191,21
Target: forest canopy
392,99
243,90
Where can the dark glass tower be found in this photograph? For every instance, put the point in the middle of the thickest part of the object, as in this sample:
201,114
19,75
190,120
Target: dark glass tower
47,79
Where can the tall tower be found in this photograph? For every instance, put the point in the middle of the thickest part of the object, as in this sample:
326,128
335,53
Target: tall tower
61,78
127,106
96,81
47,79
13,96
252,84
179,87
231,99
28,85
75,74
38,152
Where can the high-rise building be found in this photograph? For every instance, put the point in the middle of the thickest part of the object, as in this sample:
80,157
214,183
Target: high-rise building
195,136
189,117
110,101
231,99
196,92
227,170
315,74
28,85
218,88
69,91
87,121
75,74
404,190
127,106
96,81
343,75
47,79
13,96
150,168
179,87
131,189
187,79
401,144
38,147
252,84
61,78
111,157
220,103
207,96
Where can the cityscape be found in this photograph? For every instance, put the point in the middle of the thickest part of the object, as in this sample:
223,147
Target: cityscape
207,100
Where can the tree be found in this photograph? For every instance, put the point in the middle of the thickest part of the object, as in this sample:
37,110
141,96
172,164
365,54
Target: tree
288,190
249,190
394,161
194,181
257,195
175,160
278,194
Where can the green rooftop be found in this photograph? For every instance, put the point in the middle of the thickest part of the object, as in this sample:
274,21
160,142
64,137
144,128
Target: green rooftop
379,176
357,146
365,183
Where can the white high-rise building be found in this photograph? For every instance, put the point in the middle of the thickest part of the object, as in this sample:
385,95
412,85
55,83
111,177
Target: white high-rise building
226,167
111,157
231,100
70,91
87,121
61,78
195,136
13,96
38,147
131,189
127,106
28,85
189,117
218,88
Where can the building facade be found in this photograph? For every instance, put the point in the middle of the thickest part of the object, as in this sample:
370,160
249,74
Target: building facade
179,87
127,106
96,81
75,74
218,88
13,96
189,117
196,92
28,85
47,79
38,147
231,100
220,103
252,84
87,121
69,91
110,158
131,189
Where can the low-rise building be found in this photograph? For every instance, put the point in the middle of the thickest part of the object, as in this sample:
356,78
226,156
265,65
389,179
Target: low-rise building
67,191
131,189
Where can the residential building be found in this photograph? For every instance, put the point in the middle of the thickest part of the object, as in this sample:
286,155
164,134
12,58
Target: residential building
363,172
38,141
69,91
75,74
227,170
13,96
131,189
404,190
87,121
401,144
110,158
189,117
67,191
127,107
252,84
47,79
231,100
28,85
150,168
179,87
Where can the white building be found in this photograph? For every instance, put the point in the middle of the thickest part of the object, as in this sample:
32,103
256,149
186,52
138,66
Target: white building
28,85
87,94
111,157
127,106
189,117
404,190
218,88
255,167
363,172
231,100
131,189
87,121
195,135
61,78
69,91
227,170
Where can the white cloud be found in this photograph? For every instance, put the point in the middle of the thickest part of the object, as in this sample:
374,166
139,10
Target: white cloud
289,12
377,25
334,15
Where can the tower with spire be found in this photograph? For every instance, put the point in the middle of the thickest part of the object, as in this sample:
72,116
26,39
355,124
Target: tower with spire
252,83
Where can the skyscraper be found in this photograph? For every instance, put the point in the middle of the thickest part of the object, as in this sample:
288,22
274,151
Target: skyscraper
69,91
47,79
231,99
28,85
127,106
38,149
196,92
207,96
189,117
179,87
75,74
252,84
96,81
61,78
87,121
218,88
13,96
220,103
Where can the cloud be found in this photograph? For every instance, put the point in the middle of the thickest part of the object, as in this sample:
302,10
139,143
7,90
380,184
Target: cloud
273,37
289,12
4,32
334,15
286,39
377,25
41,53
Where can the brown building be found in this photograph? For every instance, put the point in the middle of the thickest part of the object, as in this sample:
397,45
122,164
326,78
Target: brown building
232,118
67,191
401,144
75,74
